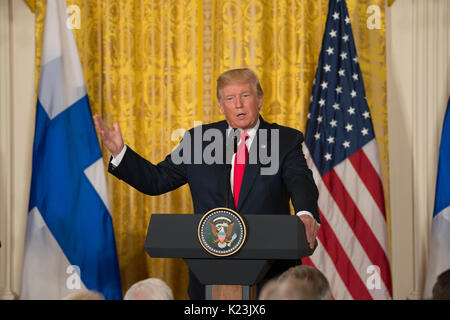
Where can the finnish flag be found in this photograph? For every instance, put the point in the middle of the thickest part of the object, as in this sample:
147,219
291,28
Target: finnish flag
70,243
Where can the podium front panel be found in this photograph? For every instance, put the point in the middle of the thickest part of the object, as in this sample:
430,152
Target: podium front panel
269,237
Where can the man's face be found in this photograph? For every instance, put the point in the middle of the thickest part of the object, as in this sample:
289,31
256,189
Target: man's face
240,104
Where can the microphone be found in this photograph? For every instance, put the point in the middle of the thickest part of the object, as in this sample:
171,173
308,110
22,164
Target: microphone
231,148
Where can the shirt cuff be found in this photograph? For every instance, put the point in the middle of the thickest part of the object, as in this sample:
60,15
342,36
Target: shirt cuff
305,212
116,161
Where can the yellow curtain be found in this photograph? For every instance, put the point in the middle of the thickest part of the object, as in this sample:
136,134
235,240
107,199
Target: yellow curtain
31,4
152,66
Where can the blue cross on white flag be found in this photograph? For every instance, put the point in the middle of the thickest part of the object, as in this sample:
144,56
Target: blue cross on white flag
70,242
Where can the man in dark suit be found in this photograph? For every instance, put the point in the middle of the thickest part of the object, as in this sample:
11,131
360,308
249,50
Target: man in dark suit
267,169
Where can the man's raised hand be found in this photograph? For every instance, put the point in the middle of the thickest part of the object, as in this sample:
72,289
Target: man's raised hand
112,138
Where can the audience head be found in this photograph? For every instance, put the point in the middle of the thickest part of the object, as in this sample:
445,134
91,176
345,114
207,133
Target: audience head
149,289
85,295
441,289
298,283
268,290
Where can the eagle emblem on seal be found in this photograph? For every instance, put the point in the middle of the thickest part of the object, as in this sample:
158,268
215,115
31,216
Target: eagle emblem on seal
222,232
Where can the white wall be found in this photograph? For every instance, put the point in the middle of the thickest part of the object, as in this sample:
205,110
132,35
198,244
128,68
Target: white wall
17,110
418,74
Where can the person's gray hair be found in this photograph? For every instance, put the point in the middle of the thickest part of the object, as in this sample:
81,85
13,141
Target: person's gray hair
301,283
149,289
84,295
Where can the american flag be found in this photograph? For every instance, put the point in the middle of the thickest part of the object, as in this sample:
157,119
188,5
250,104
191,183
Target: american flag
341,150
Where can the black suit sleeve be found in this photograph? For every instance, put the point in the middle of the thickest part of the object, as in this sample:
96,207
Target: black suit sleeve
148,178
299,180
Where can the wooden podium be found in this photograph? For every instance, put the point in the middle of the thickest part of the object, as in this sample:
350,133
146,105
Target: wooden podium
269,238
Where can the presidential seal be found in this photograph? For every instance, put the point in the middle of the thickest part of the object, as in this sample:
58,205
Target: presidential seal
222,232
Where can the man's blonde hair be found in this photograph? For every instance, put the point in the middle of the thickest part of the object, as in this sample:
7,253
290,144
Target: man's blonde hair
242,75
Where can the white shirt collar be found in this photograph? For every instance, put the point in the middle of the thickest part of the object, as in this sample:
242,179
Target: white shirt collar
251,133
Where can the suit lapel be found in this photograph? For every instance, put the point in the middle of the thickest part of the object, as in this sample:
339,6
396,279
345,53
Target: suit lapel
252,170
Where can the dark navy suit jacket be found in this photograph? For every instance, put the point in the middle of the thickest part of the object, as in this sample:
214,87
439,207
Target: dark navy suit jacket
260,193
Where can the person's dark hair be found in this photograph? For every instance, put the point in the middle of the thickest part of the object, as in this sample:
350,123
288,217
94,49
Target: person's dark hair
441,289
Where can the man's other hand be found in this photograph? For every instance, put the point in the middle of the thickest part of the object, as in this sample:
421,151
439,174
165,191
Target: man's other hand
112,138
311,228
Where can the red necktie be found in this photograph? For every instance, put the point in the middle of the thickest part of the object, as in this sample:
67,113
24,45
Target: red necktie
239,166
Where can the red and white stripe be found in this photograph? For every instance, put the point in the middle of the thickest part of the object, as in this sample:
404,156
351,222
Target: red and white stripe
353,233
